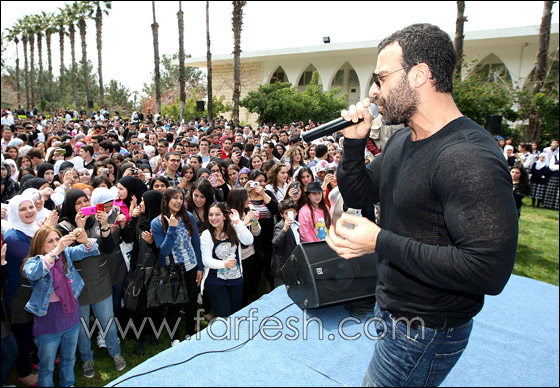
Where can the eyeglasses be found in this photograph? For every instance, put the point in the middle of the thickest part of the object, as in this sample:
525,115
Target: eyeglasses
377,78
28,127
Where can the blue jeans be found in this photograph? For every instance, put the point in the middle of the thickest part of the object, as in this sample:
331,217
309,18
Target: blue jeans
9,355
117,291
226,300
403,359
48,346
103,312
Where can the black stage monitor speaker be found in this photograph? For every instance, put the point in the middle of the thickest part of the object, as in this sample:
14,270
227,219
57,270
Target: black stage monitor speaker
493,124
315,276
90,104
200,106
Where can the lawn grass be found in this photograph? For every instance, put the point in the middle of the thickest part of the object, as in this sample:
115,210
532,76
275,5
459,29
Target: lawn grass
537,248
537,258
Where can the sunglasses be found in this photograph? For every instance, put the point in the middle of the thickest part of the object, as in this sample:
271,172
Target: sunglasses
377,78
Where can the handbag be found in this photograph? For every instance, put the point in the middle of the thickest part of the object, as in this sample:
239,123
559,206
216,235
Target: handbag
166,285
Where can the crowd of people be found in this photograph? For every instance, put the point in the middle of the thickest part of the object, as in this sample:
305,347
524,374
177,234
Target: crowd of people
91,204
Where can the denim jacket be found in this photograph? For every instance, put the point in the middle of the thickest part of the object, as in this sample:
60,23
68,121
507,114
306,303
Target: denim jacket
43,284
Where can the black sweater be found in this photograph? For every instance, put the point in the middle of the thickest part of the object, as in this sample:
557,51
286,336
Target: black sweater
449,228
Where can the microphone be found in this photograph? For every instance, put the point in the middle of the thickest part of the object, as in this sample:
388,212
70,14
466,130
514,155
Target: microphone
335,125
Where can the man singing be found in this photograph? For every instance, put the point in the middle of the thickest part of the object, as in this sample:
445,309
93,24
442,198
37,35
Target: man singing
448,224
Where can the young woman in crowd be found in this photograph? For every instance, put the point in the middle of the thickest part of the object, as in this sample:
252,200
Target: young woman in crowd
255,162
22,228
176,235
14,171
520,186
98,290
187,178
232,175
305,177
23,161
144,255
296,158
278,181
101,181
221,254
23,171
539,179
83,176
9,187
46,191
159,183
46,171
296,193
199,200
310,154
54,300
243,177
314,218
238,199
265,203
130,189
330,186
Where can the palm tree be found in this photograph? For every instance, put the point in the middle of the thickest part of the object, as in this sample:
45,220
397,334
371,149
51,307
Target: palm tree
534,129
13,36
24,39
60,21
106,5
459,36
237,21
156,59
209,63
70,15
42,24
51,28
31,26
182,94
84,9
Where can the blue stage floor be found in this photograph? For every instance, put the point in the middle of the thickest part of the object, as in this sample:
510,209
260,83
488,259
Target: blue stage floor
514,343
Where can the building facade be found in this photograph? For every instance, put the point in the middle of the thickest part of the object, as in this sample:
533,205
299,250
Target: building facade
506,53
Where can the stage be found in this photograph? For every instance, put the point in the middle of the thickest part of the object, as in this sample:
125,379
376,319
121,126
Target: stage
514,342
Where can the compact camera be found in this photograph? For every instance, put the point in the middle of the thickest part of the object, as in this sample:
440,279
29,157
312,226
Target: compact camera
254,185
104,171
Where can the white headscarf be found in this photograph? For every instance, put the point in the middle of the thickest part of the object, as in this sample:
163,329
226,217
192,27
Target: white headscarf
36,195
540,164
15,220
508,147
13,162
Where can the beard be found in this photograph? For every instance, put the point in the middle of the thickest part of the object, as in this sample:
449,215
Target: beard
400,104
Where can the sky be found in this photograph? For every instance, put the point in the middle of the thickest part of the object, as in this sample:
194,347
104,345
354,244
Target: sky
128,55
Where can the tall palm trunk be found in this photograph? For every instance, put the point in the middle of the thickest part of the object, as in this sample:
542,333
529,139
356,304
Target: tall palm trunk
49,60
534,128
26,71
98,26
459,37
209,64
61,43
82,25
74,65
41,80
237,20
32,68
182,94
157,75
18,90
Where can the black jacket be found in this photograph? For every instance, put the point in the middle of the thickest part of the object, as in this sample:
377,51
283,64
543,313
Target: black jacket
283,244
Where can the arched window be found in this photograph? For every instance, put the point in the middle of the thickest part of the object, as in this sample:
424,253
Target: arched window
279,76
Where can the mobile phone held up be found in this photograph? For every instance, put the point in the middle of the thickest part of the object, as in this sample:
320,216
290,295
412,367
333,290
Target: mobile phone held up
89,210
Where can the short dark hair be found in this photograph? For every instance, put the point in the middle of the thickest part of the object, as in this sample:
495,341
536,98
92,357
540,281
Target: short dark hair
426,43
238,145
34,153
88,148
321,150
106,144
286,204
170,154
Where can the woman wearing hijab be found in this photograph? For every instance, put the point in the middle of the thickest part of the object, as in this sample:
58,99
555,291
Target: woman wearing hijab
539,179
13,168
116,262
129,187
22,228
144,255
46,171
97,293
9,186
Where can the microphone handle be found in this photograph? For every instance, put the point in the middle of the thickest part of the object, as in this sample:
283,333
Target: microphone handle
335,125
325,129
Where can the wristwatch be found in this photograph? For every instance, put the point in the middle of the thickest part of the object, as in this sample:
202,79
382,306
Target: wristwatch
105,229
